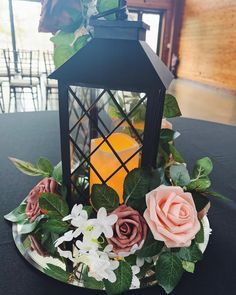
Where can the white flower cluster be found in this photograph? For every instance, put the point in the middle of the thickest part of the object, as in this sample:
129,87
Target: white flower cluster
87,232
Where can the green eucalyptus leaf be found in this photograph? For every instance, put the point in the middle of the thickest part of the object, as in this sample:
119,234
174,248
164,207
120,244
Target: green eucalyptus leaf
63,38
53,205
171,108
200,200
179,175
169,271
202,167
151,247
167,135
57,173
17,214
123,279
81,42
200,184
192,253
104,196
188,266
56,226
57,272
45,165
27,168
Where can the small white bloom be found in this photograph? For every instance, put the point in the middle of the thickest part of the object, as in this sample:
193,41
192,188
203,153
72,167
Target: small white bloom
67,237
135,280
87,244
103,223
65,254
75,212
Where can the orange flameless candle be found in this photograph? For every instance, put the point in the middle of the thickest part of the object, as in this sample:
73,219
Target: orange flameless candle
105,161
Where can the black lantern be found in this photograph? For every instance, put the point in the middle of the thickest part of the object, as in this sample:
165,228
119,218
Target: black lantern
111,98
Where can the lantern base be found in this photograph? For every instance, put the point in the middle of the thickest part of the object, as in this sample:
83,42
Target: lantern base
41,262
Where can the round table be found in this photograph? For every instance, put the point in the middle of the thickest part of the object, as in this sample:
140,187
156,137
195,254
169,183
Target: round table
28,136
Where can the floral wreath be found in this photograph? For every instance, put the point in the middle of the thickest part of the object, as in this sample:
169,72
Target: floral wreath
159,229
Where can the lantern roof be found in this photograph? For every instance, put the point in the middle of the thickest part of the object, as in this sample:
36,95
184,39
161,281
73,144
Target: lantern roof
118,58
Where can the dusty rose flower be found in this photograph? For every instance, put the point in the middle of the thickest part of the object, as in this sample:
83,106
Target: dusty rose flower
36,246
129,230
204,211
171,215
165,124
47,185
54,14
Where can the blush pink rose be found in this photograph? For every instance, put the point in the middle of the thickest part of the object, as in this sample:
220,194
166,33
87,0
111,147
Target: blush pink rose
172,216
47,185
129,230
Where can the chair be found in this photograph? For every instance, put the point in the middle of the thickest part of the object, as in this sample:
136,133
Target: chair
3,68
29,64
2,105
51,85
18,85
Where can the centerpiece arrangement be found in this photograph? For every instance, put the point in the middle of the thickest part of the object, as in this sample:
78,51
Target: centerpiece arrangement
121,211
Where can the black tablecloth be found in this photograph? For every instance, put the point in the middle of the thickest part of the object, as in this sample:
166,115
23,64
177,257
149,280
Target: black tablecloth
28,136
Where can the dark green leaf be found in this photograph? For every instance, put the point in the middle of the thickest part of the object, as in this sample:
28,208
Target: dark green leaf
217,195
200,184
168,135
57,273
123,279
176,154
188,266
48,241
199,200
57,173
151,247
45,165
202,167
179,175
56,226
90,282
137,183
192,253
104,196
169,271
27,168
53,204
17,214
171,108
199,238
88,209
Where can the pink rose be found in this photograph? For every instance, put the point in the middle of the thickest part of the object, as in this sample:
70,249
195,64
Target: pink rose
171,215
129,230
47,185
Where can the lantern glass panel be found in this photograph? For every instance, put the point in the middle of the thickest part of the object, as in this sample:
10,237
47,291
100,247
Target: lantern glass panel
106,135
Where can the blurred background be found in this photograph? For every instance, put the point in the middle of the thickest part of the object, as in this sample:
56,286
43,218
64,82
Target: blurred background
196,39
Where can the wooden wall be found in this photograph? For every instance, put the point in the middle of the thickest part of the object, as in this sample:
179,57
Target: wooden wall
207,47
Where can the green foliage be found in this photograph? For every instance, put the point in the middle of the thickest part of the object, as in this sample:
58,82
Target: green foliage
53,205
169,271
176,154
57,272
45,165
171,108
192,253
188,266
216,194
168,135
151,247
123,279
81,42
90,282
199,184
104,5
62,54
56,226
200,200
63,39
17,214
199,238
104,196
202,167
57,173
179,175
47,240
28,168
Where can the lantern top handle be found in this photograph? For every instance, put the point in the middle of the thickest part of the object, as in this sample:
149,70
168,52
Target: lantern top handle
121,12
